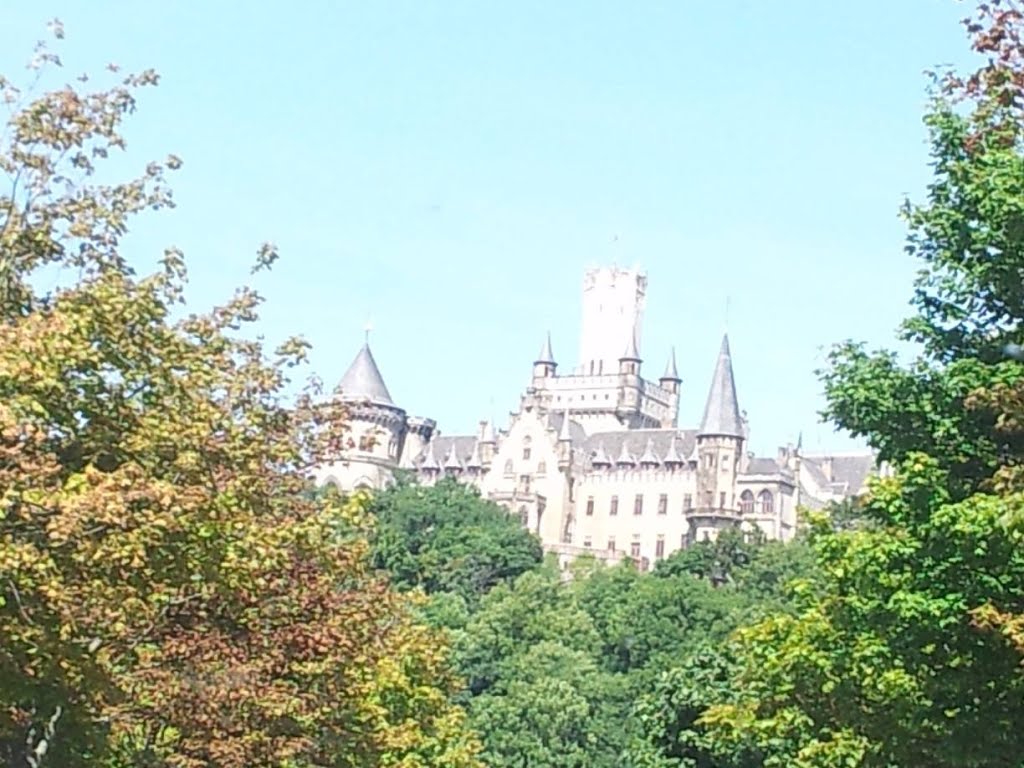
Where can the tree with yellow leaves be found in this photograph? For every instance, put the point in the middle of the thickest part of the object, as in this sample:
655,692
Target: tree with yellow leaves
171,592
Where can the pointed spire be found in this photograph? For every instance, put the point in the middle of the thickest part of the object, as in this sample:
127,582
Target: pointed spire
649,458
487,432
800,441
672,455
564,435
430,459
631,352
625,457
362,380
671,373
722,411
546,355
452,462
474,461
600,458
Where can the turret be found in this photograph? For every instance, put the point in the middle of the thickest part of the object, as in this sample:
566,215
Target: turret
628,401
378,426
720,442
488,443
544,366
671,382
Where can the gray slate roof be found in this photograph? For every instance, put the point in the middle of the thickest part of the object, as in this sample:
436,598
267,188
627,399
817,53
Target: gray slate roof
722,410
576,432
763,466
457,447
362,380
631,352
634,442
849,473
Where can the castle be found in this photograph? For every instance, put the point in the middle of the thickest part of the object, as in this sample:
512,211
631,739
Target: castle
593,461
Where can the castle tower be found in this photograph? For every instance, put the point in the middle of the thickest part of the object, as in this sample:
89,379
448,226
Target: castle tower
628,408
544,366
378,428
720,442
671,383
613,306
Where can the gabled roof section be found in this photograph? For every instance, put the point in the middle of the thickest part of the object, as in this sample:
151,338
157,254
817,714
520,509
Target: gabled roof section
362,380
722,411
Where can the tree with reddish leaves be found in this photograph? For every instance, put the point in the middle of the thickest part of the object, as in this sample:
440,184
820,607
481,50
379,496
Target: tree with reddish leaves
171,591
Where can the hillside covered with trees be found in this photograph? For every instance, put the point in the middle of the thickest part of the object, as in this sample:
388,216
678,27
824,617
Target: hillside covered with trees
175,593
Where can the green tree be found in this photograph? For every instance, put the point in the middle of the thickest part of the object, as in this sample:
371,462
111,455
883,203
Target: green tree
909,651
447,539
171,593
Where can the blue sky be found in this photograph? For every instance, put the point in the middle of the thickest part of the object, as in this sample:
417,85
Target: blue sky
451,168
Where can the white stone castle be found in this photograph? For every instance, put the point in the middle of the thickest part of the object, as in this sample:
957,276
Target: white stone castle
593,460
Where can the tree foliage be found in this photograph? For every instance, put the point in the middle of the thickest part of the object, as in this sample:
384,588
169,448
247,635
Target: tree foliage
447,539
171,594
909,651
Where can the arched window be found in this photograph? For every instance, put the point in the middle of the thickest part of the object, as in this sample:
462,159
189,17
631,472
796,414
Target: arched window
508,468
766,502
747,503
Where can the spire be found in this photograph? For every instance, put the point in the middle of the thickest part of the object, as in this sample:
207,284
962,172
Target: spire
546,356
564,434
625,457
671,373
631,352
487,432
452,462
722,412
430,459
649,458
600,458
362,380
672,455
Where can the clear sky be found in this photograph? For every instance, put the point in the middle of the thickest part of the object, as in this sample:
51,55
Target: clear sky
451,168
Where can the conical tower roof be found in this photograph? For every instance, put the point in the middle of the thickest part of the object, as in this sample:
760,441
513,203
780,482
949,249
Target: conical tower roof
546,355
362,380
625,457
722,411
649,456
452,462
672,455
631,352
600,458
474,461
430,459
671,373
487,433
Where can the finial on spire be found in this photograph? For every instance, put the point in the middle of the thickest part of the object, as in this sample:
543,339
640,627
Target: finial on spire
671,372
367,329
546,355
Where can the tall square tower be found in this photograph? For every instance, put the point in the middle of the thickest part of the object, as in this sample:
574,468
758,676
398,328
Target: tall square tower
613,308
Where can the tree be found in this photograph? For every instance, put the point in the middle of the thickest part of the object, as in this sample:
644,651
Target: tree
446,538
171,593
909,651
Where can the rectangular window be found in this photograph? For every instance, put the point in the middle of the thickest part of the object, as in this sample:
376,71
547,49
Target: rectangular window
709,499
526,454
586,543
721,500
638,504
663,504
659,548
615,506
611,544
590,506
634,549
687,502
725,463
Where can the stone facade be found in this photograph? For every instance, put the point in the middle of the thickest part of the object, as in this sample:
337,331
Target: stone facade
593,460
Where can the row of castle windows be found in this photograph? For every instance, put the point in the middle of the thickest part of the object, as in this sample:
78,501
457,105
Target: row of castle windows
634,546
765,503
